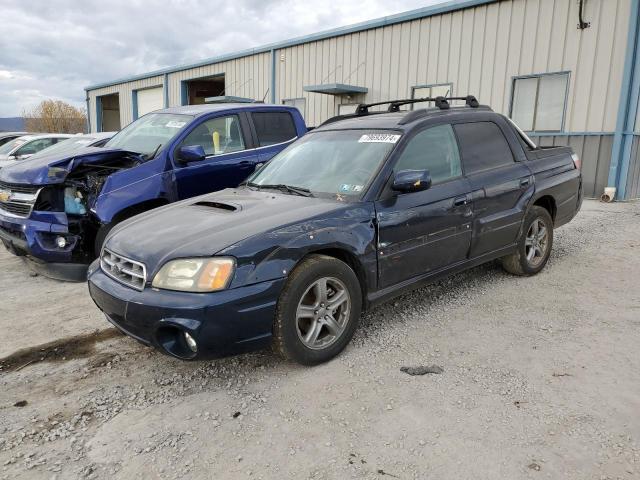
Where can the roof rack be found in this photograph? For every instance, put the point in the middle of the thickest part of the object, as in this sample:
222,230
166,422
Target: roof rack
394,106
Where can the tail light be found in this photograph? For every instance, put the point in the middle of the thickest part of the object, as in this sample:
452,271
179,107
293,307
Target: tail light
576,161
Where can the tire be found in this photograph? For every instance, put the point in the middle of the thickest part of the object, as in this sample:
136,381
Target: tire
307,328
523,262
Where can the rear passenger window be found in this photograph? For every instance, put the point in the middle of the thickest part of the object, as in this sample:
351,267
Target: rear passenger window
433,149
483,146
273,127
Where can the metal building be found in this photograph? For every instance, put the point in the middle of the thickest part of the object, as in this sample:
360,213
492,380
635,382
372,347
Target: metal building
567,71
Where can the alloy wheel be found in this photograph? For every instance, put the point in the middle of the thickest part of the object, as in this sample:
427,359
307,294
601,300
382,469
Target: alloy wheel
536,242
323,313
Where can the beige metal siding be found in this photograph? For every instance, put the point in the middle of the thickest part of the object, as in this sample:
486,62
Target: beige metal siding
479,50
124,91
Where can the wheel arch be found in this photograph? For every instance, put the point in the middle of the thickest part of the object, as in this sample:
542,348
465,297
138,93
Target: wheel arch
548,203
137,208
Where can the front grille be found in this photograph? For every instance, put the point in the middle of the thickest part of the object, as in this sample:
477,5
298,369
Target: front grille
19,188
124,270
18,200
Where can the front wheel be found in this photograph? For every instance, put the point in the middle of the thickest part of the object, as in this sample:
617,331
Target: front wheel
534,244
318,311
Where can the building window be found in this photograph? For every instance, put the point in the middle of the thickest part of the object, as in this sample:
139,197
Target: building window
347,108
431,91
539,102
299,103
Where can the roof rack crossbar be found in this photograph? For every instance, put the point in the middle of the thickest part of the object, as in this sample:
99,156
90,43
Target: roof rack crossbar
394,105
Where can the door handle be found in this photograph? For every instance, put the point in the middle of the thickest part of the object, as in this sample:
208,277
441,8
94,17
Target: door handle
460,201
524,182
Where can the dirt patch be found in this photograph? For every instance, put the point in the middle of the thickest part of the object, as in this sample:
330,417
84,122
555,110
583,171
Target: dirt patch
79,346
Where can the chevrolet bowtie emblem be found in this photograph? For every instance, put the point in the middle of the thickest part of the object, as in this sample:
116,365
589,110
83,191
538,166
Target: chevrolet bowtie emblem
5,196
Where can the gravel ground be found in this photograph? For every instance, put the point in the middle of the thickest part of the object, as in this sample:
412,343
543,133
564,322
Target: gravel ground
541,379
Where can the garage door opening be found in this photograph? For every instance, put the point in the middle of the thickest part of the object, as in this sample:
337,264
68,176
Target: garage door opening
148,100
109,113
194,92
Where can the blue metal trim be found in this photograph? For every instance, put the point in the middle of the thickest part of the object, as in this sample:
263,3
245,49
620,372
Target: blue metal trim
335,89
568,134
98,114
184,93
134,105
273,76
165,90
423,12
538,75
621,150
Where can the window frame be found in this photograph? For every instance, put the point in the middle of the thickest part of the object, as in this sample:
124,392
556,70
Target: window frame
398,155
245,131
505,136
535,112
254,130
430,85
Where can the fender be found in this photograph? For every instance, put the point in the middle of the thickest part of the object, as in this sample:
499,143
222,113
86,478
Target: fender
274,255
120,192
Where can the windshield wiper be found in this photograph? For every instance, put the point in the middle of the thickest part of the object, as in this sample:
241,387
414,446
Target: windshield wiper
303,192
153,155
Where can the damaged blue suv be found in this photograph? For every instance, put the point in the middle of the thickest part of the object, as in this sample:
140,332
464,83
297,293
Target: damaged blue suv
355,212
56,210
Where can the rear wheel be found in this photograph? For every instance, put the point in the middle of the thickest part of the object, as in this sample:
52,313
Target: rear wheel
534,245
318,311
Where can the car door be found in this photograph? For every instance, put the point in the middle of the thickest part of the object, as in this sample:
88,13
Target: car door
499,185
274,131
422,232
230,158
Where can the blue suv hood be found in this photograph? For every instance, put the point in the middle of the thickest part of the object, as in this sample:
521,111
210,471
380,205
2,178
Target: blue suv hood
52,169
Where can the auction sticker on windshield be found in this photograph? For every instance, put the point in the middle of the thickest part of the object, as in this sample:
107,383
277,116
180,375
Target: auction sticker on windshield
379,138
175,124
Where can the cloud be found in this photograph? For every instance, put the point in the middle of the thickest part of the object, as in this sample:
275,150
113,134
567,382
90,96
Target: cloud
54,49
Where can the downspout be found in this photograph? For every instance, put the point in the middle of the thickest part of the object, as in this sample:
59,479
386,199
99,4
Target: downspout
273,76
88,113
627,110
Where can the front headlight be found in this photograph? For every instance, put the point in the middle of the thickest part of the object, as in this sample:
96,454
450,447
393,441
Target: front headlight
195,274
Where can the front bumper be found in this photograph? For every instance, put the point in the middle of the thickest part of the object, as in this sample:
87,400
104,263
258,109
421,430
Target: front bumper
35,236
222,323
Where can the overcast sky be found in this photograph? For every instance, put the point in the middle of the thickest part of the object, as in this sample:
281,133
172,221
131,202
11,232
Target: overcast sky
55,48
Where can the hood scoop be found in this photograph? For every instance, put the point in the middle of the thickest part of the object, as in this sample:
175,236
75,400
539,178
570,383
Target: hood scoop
217,205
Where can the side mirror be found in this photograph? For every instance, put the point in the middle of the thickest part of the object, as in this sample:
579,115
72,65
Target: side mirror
191,153
407,181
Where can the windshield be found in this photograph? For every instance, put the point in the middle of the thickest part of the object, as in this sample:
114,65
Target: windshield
66,147
150,133
330,163
9,146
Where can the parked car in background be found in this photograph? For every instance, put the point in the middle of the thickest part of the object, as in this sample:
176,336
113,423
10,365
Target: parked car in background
25,146
8,136
354,213
74,144
58,209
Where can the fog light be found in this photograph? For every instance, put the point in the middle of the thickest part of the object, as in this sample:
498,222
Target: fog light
191,343
61,242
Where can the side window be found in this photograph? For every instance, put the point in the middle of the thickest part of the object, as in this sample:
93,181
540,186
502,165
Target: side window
273,127
217,136
34,147
483,146
433,149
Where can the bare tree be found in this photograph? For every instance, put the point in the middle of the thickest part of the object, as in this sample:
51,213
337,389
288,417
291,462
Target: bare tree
55,116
